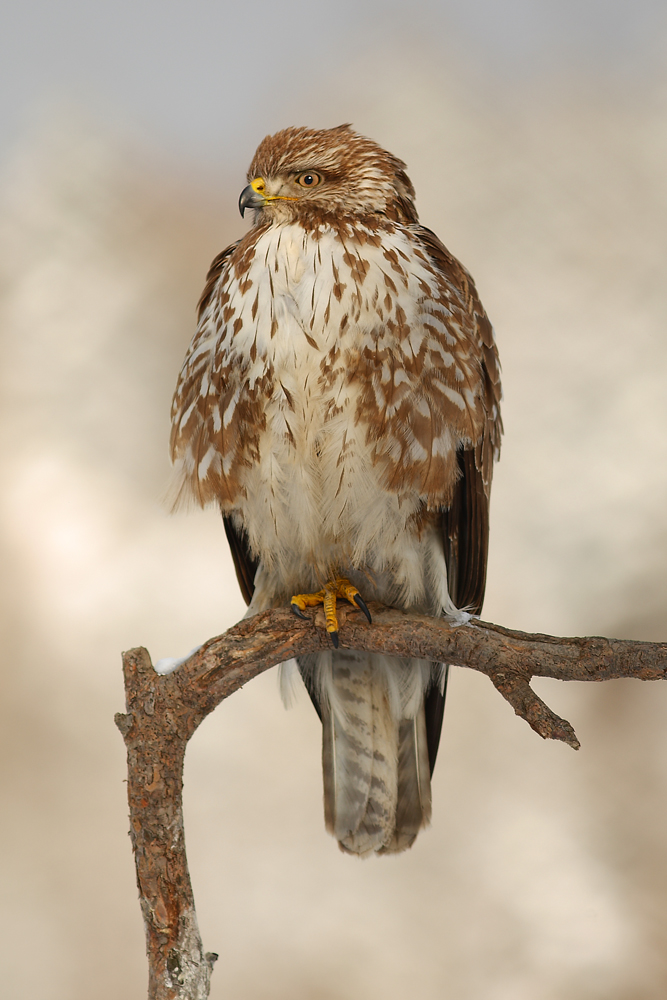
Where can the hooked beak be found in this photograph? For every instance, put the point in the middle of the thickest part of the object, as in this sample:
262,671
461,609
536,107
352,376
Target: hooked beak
250,199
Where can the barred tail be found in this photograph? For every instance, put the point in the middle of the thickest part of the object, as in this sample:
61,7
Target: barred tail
377,786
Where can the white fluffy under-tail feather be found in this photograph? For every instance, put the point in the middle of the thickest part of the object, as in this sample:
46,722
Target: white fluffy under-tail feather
377,789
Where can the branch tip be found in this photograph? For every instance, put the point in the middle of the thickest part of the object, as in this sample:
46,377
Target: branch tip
124,723
527,705
138,659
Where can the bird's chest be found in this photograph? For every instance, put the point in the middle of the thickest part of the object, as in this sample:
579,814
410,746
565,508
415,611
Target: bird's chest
320,312
312,323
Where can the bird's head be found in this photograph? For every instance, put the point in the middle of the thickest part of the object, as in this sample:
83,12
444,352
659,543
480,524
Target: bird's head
331,174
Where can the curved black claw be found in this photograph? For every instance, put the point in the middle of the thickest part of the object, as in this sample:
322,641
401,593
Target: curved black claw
334,639
361,604
296,610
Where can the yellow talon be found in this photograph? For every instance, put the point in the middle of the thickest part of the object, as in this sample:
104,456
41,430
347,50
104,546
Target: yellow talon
346,589
303,601
340,587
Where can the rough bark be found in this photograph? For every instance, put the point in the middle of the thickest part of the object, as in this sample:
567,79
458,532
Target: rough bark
163,712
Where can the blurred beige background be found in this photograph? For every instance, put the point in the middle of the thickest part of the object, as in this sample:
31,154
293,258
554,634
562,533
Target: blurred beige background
536,137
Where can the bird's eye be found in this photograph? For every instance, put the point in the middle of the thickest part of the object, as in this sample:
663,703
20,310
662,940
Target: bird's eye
308,179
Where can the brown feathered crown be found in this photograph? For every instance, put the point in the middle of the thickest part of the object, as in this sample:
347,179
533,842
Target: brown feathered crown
355,176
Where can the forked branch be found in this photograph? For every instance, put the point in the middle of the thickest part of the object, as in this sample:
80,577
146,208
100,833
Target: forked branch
163,712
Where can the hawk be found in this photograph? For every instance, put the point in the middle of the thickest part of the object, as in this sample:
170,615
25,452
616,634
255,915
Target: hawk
340,403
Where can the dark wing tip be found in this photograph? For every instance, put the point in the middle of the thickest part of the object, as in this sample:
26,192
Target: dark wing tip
245,563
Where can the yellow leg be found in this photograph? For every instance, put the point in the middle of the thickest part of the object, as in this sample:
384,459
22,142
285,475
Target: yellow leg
330,616
340,587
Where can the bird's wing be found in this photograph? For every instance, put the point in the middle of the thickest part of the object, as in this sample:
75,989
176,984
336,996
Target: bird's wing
187,399
190,419
212,278
465,522
217,410
245,563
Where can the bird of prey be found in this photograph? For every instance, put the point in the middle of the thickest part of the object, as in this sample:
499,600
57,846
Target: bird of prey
340,403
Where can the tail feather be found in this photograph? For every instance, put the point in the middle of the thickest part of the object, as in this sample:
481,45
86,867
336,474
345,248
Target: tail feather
377,792
413,806
358,755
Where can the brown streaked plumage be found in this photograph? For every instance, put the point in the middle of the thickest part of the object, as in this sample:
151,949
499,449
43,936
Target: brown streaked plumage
340,402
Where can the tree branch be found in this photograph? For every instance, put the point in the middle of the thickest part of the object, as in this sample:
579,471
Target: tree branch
163,711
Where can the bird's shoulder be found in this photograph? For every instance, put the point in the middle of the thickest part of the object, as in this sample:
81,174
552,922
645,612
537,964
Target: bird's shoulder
459,289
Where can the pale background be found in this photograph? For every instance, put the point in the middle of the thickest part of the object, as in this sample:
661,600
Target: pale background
536,135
